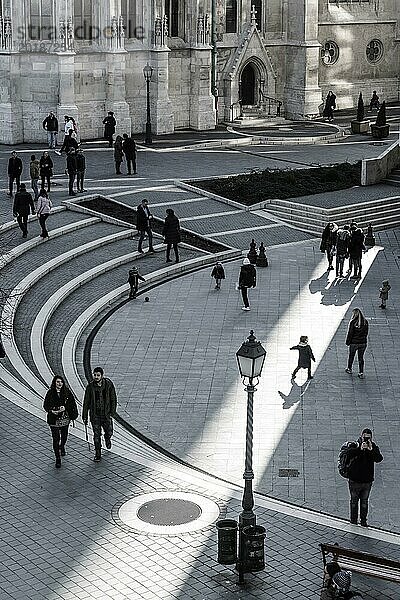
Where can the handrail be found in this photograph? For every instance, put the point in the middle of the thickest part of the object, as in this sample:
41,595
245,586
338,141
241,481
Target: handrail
232,107
271,102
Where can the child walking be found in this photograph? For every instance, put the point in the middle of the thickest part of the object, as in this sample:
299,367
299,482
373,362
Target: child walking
133,281
384,293
218,273
305,356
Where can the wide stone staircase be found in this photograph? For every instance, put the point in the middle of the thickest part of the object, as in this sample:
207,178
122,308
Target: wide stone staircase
383,213
394,178
58,289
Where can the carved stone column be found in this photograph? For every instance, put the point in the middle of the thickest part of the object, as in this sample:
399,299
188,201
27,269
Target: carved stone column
11,118
202,102
66,104
162,117
116,72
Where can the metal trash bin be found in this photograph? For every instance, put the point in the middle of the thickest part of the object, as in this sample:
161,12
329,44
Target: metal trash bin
254,559
227,541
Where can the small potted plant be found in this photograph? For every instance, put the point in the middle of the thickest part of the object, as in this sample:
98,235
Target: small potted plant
381,129
360,125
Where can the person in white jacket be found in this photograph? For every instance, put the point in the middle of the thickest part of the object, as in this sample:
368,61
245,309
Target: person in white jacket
43,209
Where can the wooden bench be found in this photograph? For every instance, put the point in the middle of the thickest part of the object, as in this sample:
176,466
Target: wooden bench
362,562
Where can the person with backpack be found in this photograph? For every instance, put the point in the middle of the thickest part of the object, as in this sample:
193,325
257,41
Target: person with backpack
61,409
23,205
133,280
357,463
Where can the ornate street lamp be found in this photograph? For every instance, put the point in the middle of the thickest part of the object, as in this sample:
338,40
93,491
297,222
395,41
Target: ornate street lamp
250,357
148,73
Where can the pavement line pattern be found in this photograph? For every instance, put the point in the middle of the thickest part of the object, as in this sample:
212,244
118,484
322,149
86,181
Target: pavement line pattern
220,233
211,215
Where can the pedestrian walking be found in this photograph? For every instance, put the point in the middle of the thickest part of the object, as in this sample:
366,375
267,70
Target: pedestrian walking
46,170
71,171
356,247
118,154
34,171
328,243
374,102
100,405
43,209
330,105
342,249
247,279
129,148
305,356
133,280
361,457
23,205
357,339
384,293
143,225
218,273
109,123
80,170
50,124
171,233
60,405
14,171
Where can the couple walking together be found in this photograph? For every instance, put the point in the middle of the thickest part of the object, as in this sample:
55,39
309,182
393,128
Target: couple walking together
99,405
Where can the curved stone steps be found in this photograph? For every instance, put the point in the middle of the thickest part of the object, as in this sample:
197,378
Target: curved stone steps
46,279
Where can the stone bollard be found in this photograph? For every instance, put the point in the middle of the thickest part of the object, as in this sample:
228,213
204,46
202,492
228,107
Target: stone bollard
252,254
370,238
262,260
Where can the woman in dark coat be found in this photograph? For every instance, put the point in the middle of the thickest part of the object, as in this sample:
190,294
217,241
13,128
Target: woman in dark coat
328,242
356,340
356,247
171,233
330,105
46,170
247,278
118,154
109,127
61,408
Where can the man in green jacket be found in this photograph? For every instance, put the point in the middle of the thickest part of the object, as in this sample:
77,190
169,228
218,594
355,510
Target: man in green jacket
100,403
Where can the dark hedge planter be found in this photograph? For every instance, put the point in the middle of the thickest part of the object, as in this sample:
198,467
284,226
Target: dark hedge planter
360,127
380,131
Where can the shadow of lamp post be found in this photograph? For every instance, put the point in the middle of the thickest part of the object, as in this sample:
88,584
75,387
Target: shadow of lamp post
148,73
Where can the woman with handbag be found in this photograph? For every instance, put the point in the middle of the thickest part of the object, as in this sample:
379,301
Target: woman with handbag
61,409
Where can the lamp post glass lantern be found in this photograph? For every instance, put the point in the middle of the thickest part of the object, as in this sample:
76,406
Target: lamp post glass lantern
148,73
250,356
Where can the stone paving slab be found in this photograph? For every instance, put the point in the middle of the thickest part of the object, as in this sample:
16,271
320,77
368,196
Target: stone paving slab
192,209
270,236
187,367
227,223
61,542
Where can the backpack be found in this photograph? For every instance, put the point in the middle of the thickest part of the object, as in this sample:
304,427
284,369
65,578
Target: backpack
344,461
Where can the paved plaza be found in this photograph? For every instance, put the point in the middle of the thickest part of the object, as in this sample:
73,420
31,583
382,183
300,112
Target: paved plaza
173,362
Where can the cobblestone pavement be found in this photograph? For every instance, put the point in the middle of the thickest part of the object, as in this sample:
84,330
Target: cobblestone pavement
61,538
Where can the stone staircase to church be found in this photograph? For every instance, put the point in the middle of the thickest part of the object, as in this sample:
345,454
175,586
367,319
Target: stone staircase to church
383,213
255,116
394,178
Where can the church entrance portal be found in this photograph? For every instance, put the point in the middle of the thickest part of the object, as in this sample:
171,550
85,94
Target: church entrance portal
248,85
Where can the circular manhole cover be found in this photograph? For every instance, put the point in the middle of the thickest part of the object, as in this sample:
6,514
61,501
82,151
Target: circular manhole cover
169,511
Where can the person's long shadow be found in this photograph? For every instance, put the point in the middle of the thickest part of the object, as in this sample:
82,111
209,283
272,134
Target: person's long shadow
336,291
295,395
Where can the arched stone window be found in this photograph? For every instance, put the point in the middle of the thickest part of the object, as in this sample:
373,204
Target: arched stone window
40,20
231,16
175,11
83,19
129,14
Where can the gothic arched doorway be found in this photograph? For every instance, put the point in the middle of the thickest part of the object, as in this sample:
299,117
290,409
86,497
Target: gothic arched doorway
248,85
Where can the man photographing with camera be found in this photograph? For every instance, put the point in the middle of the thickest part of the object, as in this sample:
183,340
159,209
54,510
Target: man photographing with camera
362,458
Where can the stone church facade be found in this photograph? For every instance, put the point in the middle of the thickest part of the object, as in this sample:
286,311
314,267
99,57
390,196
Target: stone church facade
209,58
